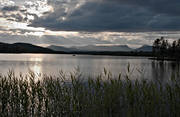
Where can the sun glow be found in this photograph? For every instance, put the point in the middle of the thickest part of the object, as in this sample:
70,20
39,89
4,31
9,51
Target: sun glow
37,69
60,33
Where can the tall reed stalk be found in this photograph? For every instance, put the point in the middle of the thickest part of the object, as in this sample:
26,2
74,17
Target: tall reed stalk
103,96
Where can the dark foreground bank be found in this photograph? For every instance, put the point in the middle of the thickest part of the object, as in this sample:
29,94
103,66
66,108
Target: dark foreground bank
97,97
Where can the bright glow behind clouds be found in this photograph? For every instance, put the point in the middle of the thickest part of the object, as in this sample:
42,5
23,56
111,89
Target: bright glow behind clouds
38,7
31,8
6,3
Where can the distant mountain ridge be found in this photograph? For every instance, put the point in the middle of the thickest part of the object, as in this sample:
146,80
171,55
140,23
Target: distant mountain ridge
30,48
145,48
23,48
94,48
62,48
115,48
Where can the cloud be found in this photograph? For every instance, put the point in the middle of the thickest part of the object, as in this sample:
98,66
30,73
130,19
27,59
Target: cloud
10,8
158,6
124,38
26,11
131,22
6,3
114,15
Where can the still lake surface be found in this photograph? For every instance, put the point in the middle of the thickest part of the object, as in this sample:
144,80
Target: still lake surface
51,64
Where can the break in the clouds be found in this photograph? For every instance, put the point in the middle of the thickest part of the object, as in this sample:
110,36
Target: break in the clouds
82,22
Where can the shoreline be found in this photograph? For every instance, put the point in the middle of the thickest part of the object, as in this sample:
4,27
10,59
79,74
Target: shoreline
103,53
133,54
164,59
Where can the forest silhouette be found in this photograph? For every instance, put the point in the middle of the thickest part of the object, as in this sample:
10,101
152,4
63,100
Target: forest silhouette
162,49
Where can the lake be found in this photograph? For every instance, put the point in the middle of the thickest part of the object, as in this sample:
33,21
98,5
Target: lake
51,64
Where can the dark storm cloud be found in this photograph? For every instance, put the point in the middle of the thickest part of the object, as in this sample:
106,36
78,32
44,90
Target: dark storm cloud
15,13
11,13
170,7
17,17
10,8
116,15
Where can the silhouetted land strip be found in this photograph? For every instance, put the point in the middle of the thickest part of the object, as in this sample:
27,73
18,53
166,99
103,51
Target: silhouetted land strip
29,48
162,50
147,54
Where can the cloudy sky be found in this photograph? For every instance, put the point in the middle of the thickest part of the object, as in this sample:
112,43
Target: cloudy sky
84,22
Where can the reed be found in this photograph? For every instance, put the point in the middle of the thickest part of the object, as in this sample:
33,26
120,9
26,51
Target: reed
63,95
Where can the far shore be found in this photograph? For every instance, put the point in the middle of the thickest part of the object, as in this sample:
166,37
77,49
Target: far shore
143,54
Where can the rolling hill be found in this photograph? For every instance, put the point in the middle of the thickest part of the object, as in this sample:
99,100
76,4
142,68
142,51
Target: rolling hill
23,48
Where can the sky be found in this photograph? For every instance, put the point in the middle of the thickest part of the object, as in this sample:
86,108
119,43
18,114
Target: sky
86,22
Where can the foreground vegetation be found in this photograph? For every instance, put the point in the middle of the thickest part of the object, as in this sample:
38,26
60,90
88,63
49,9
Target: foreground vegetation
103,96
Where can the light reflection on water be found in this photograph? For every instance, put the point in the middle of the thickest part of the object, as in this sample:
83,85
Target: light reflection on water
35,59
36,69
141,67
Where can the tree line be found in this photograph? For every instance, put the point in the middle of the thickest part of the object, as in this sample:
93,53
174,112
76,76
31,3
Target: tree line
164,49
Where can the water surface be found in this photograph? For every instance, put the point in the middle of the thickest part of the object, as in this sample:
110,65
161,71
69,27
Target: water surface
51,64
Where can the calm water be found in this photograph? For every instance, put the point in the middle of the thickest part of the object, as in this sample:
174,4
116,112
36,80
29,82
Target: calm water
141,67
